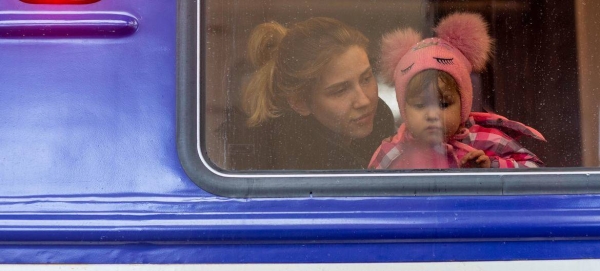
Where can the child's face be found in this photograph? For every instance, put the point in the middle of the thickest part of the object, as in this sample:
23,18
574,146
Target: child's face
433,116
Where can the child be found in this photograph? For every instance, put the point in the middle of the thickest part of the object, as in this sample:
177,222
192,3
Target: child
434,93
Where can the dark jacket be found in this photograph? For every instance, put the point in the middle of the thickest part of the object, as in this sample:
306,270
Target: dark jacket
295,142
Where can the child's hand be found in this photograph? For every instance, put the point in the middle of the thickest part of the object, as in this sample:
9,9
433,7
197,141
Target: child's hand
476,159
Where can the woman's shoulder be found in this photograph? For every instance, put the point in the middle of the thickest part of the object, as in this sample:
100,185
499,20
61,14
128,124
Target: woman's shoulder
384,120
246,148
303,143
290,141
383,127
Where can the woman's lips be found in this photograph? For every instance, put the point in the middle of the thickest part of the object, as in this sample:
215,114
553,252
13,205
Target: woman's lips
364,119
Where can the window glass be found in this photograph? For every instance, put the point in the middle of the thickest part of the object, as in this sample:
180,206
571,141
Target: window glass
542,70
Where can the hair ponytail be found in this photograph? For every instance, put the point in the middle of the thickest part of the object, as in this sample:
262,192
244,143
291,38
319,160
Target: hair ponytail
289,62
259,95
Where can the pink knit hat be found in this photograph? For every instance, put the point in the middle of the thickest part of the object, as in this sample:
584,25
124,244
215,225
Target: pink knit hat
462,45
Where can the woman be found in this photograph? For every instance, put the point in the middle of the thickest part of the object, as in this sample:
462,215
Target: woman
312,102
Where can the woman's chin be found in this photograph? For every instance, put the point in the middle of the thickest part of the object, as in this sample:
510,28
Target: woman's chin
362,132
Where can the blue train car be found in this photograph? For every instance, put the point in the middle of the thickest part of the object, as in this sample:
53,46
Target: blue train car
110,151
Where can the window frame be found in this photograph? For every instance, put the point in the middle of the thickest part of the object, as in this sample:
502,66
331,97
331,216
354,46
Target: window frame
191,143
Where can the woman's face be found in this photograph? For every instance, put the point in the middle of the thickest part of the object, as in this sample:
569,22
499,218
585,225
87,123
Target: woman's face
345,99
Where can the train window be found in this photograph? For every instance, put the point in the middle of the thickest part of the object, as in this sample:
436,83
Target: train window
237,139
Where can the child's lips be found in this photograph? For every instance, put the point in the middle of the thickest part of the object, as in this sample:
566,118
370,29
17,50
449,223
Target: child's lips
433,129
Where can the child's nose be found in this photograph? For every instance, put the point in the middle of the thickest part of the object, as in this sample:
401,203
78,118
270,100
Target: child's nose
432,113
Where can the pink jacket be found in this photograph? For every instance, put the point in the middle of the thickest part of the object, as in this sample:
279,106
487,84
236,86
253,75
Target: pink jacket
491,133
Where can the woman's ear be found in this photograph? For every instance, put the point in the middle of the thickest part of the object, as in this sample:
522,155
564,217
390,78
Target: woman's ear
299,105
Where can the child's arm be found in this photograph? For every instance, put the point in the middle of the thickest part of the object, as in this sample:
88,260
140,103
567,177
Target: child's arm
505,152
517,160
478,159
384,155
508,153
495,135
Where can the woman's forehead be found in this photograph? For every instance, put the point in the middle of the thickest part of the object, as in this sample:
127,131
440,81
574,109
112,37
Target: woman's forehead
351,63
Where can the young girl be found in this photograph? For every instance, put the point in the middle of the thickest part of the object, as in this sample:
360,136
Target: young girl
434,93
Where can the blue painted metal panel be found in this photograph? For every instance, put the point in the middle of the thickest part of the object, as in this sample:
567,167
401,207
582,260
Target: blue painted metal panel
306,253
93,114
149,230
90,174
209,220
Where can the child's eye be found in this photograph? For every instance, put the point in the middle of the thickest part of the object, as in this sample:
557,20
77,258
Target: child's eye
419,105
445,104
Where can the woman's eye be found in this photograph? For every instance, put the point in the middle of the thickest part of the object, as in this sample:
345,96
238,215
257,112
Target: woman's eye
338,91
367,79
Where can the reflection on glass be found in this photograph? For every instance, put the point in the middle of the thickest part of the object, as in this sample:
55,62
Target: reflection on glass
542,74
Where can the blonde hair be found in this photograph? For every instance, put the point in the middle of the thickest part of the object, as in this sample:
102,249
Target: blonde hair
289,62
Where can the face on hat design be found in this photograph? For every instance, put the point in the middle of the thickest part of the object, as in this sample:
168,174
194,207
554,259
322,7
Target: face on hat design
437,54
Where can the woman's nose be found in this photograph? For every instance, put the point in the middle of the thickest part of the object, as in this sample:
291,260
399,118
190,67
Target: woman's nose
362,97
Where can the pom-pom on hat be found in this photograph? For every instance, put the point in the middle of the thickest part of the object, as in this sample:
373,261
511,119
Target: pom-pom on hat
462,45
